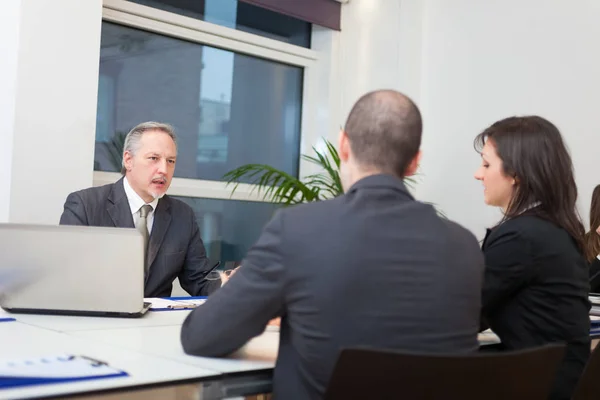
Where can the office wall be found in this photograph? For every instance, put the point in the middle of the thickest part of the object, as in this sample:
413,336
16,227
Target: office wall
9,45
48,132
468,63
379,47
483,61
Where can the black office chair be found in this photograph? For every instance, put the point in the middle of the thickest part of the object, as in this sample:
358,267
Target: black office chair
588,386
378,374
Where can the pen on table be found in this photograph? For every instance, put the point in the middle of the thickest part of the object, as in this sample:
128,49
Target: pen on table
182,306
212,269
96,362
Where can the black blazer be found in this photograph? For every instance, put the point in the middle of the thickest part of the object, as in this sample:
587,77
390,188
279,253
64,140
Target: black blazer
370,268
595,276
175,248
536,292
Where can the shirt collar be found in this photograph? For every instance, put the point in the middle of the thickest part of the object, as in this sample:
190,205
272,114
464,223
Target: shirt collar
532,205
135,201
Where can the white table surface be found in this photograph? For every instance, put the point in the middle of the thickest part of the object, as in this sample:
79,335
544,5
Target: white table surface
163,341
19,341
148,348
71,323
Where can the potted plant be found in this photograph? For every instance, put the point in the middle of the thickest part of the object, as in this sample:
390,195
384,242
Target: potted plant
282,188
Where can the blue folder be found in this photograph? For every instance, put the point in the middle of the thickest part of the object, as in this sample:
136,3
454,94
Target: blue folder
186,298
52,370
594,328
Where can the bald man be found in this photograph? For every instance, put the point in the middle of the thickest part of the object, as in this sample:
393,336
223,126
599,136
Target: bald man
373,267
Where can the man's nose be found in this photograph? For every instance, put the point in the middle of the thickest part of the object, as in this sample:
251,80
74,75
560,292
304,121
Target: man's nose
162,167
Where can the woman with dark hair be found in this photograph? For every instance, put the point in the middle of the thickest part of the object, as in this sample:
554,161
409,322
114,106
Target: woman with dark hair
536,281
592,242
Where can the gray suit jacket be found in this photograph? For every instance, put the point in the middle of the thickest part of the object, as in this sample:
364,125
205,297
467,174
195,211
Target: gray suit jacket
371,268
175,248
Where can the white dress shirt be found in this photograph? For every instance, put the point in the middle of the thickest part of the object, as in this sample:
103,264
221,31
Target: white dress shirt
136,202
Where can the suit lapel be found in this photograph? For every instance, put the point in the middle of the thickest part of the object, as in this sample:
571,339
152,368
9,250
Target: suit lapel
162,220
118,207
487,235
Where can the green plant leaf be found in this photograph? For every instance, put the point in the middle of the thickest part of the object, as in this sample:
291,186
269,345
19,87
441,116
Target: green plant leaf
276,186
279,187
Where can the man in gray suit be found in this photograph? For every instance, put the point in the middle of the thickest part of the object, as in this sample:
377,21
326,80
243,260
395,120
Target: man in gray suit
373,267
171,235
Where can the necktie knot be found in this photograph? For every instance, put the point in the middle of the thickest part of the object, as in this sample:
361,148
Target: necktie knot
145,210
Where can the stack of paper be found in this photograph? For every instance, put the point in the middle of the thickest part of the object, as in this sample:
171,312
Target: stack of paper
595,310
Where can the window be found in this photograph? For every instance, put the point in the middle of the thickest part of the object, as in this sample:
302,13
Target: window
239,15
105,114
228,227
237,93
228,109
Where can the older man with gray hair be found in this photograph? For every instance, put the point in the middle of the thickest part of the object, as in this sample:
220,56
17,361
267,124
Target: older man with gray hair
173,247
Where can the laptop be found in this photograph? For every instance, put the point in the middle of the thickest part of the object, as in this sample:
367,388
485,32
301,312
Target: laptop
72,270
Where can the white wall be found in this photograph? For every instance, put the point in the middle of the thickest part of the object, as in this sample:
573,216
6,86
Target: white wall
380,47
53,102
483,61
9,45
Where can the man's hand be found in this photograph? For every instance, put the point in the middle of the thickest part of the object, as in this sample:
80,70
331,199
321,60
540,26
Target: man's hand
226,275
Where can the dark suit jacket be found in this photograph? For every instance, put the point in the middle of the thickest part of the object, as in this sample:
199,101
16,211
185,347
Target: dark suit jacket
371,268
595,276
536,292
175,248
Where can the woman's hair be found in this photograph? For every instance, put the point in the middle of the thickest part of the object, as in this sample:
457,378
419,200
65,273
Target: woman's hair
533,152
592,238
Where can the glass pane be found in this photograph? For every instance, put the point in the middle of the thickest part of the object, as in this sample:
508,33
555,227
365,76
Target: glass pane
239,15
228,109
229,227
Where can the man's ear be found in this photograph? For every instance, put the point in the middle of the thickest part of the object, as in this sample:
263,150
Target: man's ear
343,146
413,166
127,160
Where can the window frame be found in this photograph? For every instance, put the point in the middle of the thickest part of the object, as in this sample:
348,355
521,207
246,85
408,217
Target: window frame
205,33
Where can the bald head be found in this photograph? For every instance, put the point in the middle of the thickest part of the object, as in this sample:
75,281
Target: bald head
384,130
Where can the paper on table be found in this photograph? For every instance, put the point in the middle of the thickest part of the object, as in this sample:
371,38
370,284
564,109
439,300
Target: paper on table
54,369
158,303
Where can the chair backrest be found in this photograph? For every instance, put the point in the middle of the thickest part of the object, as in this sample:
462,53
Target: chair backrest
379,374
588,386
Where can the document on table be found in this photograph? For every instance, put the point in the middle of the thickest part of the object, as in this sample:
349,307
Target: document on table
158,304
53,369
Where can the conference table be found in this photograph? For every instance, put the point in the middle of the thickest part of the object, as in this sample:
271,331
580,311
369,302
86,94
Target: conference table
147,349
